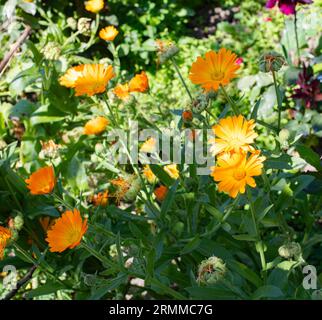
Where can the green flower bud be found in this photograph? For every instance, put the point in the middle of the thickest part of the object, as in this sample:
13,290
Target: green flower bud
18,221
211,270
290,250
51,51
283,137
271,61
84,26
200,103
135,187
72,23
178,228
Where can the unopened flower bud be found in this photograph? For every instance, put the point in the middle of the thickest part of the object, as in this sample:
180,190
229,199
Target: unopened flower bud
200,103
290,250
84,26
51,51
135,187
271,61
211,270
166,50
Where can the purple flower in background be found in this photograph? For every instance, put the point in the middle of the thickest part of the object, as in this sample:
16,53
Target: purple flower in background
287,7
309,88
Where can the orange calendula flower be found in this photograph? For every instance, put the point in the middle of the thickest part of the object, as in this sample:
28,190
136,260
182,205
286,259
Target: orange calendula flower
233,134
42,181
140,83
67,232
100,199
149,146
108,33
172,171
149,175
71,75
187,116
94,6
235,171
93,79
122,91
5,235
95,126
215,70
161,192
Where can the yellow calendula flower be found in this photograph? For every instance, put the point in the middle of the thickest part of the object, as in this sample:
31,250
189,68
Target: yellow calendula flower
215,70
122,91
96,126
5,235
235,171
172,170
94,6
149,146
67,232
71,75
233,134
108,33
93,79
149,175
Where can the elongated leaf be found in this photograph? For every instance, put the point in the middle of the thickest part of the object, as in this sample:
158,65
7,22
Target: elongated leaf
309,156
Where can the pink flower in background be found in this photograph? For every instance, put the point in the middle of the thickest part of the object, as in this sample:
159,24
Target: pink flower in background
267,19
239,61
287,7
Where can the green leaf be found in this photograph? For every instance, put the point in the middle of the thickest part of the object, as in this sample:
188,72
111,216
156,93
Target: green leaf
167,202
268,291
309,156
245,272
210,293
192,245
109,285
48,288
244,237
161,174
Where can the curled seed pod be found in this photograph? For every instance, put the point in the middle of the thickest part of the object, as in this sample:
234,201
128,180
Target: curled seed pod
271,61
51,51
290,250
84,26
72,23
211,270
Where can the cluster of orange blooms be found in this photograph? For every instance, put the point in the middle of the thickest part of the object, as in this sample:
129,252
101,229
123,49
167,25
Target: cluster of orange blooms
237,160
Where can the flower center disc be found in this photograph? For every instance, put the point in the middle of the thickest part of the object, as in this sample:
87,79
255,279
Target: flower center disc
217,76
239,174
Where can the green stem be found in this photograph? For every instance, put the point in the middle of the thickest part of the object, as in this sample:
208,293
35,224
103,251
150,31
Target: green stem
230,101
181,78
297,37
278,98
62,201
113,118
259,243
